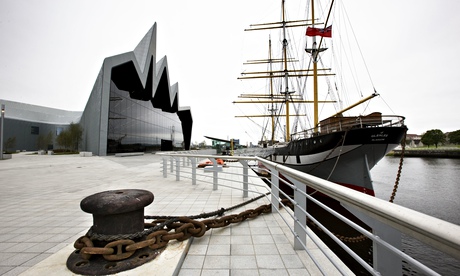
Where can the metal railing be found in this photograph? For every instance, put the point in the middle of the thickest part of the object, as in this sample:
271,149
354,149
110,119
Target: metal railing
346,123
388,220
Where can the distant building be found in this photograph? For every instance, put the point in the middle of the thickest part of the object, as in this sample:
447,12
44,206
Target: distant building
414,140
26,122
132,107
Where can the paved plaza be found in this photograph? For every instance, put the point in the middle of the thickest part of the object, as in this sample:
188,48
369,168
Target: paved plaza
40,215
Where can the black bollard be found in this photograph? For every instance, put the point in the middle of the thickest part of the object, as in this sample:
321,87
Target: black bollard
118,211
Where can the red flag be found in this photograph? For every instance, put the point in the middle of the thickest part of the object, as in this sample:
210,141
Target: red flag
326,32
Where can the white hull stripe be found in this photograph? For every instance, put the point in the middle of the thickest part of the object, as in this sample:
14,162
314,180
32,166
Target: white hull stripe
317,157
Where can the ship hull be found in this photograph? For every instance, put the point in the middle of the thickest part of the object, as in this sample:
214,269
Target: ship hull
344,157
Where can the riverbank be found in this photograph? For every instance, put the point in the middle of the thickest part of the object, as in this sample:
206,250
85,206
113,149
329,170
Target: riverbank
428,152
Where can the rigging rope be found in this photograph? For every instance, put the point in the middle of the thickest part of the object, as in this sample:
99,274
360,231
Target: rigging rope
338,156
359,48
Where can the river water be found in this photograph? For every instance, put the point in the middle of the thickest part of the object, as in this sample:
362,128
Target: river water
427,185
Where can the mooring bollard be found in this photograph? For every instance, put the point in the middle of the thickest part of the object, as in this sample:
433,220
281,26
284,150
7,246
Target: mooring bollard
118,214
118,211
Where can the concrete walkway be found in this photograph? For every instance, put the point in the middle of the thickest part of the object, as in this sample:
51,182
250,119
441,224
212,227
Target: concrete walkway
40,216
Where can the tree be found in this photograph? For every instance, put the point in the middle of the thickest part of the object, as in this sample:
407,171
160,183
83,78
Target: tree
76,132
63,139
454,137
44,141
71,137
433,137
202,144
9,143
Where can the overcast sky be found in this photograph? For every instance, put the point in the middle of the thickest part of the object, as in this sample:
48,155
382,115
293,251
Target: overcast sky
51,52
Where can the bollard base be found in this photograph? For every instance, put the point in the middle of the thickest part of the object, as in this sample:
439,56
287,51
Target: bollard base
97,265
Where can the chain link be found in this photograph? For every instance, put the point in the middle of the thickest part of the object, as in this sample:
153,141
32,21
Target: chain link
160,232
401,160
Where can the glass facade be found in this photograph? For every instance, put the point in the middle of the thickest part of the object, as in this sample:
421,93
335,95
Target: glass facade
136,126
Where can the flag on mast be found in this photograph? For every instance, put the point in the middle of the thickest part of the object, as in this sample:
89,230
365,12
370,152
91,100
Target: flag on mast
326,32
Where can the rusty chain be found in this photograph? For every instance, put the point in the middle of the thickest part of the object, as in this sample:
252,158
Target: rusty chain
170,219
401,160
160,232
165,229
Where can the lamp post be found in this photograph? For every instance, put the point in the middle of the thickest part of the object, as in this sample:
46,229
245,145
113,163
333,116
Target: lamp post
1,132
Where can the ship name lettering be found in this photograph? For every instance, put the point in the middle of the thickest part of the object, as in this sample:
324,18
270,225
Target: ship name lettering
380,135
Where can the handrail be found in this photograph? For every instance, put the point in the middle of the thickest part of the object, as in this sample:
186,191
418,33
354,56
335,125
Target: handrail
335,124
437,233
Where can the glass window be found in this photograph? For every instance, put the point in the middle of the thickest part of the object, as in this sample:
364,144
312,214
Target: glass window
135,125
34,130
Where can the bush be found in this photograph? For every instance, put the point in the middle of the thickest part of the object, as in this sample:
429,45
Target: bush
10,143
44,141
454,137
71,137
433,137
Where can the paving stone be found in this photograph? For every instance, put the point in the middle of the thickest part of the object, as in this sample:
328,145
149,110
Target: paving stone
50,217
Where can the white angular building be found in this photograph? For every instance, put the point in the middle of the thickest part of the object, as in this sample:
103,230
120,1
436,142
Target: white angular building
132,107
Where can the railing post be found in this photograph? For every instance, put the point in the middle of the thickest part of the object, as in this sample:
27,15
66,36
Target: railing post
183,161
300,218
384,261
165,167
275,184
214,174
193,159
172,165
245,177
177,168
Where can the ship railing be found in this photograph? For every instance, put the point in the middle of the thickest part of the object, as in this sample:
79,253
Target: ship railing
335,124
388,220
255,151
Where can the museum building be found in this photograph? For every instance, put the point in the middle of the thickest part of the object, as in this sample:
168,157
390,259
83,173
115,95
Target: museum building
132,108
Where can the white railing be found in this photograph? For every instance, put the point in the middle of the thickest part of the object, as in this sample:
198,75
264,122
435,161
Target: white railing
346,123
388,220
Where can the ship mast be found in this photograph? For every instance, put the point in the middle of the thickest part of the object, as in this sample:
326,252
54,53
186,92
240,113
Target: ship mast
315,50
286,92
285,96
315,72
272,109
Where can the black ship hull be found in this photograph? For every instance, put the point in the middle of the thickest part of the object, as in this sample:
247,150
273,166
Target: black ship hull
343,157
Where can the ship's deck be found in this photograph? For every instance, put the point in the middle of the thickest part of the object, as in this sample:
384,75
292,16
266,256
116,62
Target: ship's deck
41,218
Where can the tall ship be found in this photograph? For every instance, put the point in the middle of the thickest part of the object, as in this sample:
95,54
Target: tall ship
342,147
304,79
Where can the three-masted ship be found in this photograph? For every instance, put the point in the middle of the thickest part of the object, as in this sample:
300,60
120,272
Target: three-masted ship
342,149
